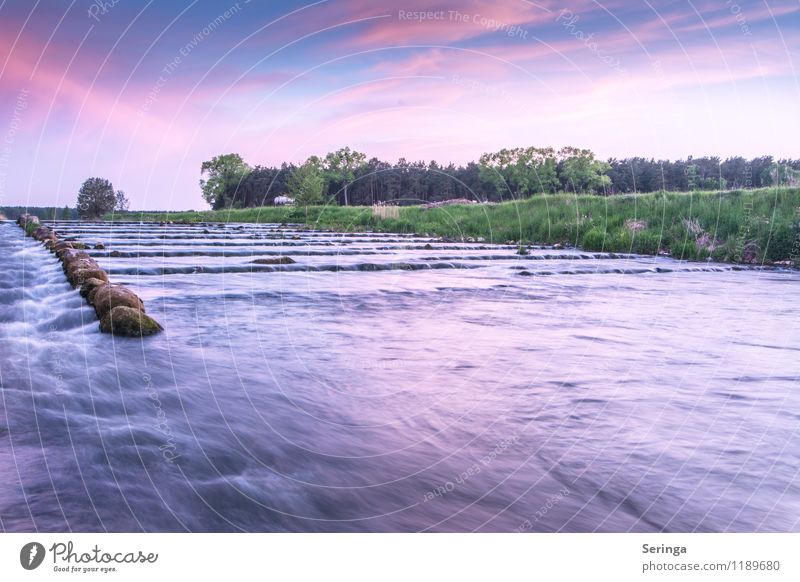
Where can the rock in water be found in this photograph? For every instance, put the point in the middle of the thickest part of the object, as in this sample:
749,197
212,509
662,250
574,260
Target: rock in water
79,264
80,276
90,285
274,261
130,322
43,233
70,255
107,297
62,245
90,294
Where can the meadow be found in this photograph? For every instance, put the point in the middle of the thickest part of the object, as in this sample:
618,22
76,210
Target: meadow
742,226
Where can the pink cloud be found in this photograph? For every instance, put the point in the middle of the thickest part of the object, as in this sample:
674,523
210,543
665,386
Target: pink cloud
443,21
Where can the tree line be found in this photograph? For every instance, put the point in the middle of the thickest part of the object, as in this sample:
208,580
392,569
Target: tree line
347,177
43,212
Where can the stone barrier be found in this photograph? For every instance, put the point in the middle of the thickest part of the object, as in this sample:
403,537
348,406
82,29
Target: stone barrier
120,310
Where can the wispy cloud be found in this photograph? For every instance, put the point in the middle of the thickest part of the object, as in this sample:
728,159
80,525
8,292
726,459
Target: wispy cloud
443,79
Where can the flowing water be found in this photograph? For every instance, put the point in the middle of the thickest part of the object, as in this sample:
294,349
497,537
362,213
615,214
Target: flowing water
395,383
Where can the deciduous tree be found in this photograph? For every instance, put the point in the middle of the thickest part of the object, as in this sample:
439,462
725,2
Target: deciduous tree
95,198
220,173
341,165
306,183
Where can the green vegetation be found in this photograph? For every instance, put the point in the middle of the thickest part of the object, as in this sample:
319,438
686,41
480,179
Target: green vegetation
523,171
220,173
331,216
341,166
307,183
349,178
529,171
97,196
581,172
43,212
736,226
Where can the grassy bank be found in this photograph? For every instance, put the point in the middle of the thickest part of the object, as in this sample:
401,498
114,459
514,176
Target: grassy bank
737,226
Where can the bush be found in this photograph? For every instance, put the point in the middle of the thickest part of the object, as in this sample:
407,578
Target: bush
622,242
721,254
781,241
685,250
594,240
646,243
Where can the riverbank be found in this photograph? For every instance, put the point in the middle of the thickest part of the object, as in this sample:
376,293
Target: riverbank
753,226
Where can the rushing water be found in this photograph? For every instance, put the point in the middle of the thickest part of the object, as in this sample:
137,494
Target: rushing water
395,383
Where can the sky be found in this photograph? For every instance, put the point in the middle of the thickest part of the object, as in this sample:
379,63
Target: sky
143,92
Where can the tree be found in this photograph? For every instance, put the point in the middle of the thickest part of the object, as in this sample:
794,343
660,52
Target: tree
522,171
306,183
95,198
222,171
122,202
783,174
340,166
581,172
515,173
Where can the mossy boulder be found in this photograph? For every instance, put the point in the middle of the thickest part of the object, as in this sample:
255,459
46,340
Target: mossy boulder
62,248
91,293
43,233
90,285
78,265
70,256
63,245
79,277
129,322
99,246
107,297
274,261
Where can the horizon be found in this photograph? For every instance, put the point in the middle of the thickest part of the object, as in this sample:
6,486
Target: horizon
99,90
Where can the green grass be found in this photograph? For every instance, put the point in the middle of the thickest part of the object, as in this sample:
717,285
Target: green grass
324,216
736,226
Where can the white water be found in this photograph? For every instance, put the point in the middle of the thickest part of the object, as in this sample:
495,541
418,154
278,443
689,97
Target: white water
379,384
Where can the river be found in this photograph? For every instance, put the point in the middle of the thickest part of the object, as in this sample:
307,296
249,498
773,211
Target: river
395,383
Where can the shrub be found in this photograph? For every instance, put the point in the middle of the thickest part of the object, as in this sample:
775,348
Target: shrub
621,242
685,250
646,243
781,240
594,240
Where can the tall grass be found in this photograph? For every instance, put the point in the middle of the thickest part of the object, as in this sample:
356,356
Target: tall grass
322,216
735,226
